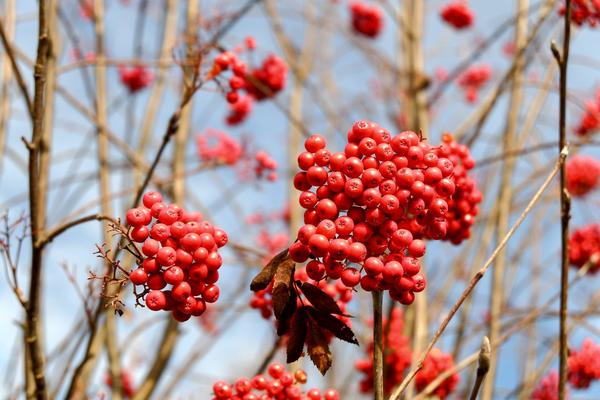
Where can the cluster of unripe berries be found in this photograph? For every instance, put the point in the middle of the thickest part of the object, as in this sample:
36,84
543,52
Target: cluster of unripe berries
590,120
181,260
584,247
398,357
337,290
473,79
583,11
278,384
367,20
372,206
135,78
583,175
457,14
463,206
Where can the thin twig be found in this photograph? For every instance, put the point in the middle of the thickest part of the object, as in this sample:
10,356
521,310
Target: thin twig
483,368
565,199
378,344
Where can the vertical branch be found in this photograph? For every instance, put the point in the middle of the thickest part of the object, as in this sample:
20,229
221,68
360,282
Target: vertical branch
378,344
114,366
509,139
168,42
417,103
33,332
9,27
565,199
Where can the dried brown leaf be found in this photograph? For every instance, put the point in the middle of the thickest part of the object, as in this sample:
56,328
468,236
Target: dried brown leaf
264,277
297,337
333,325
318,348
319,299
282,286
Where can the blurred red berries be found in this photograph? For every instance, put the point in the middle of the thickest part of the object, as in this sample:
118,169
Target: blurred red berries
367,20
457,14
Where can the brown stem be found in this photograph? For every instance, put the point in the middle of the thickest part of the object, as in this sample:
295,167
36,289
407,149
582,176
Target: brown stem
474,280
378,344
32,330
565,200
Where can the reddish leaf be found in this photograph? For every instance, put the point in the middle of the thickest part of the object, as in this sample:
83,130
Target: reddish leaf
298,330
317,347
282,286
319,299
333,325
264,277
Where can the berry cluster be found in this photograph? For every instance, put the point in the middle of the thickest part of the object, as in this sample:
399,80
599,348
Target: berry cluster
583,11
583,366
373,205
265,166
367,19
278,385
473,79
463,206
128,389
261,83
435,364
397,355
218,146
313,274
590,120
547,388
583,175
135,78
180,250
239,110
584,246
457,14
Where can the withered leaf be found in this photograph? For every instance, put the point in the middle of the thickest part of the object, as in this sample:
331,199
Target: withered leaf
333,325
298,330
282,286
264,277
319,299
317,347
283,323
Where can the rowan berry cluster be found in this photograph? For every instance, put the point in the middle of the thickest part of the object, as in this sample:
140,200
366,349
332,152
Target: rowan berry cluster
590,120
473,79
547,388
583,366
583,11
180,250
239,110
261,83
337,290
584,247
583,175
279,384
457,14
135,78
397,353
214,145
367,20
372,206
463,206
128,390
265,166
435,364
